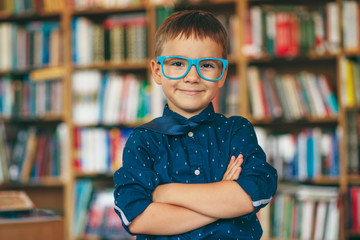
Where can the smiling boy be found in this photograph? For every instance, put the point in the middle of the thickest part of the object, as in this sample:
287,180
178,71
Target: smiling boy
180,178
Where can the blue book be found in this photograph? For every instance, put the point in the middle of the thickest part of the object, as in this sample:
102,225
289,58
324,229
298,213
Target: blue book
310,155
104,82
73,38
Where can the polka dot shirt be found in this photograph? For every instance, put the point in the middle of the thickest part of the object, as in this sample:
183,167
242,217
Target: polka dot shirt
200,154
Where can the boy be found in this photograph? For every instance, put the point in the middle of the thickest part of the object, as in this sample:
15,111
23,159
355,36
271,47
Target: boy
180,178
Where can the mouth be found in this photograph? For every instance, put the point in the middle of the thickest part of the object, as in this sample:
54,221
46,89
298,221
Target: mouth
190,92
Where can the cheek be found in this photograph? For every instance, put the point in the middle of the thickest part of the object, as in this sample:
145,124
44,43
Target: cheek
213,88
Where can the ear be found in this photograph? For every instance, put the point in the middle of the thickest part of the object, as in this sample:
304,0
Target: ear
221,82
156,71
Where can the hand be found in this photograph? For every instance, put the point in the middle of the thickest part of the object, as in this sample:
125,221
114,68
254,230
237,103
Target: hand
234,168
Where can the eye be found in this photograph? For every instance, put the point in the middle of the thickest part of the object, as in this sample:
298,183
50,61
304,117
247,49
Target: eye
207,65
177,64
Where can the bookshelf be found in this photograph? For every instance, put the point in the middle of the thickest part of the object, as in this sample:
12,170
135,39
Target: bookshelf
333,58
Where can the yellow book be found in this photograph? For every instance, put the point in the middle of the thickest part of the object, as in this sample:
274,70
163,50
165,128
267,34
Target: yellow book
350,87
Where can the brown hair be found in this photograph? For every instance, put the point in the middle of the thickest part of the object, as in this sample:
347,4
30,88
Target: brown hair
187,23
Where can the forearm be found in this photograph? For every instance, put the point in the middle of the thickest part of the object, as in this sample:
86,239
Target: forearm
167,219
225,199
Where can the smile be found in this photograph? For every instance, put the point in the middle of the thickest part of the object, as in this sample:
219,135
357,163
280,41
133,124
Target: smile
190,92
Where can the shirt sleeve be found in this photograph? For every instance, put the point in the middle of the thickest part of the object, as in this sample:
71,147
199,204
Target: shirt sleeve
135,180
258,178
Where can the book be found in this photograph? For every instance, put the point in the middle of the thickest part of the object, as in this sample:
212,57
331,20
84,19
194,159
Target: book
256,103
350,26
332,222
18,154
112,101
273,97
356,75
29,159
15,201
332,27
85,88
4,155
319,227
82,191
101,220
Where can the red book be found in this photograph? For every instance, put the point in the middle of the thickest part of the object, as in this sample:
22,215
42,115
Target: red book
294,35
77,146
282,38
354,209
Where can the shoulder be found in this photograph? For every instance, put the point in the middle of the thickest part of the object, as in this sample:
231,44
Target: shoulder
234,122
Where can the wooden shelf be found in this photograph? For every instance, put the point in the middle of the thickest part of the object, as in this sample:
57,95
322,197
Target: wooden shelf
63,188
138,65
43,182
107,11
308,121
45,118
28,15
312,57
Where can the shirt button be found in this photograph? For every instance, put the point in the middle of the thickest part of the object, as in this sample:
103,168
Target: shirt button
197,172
190,134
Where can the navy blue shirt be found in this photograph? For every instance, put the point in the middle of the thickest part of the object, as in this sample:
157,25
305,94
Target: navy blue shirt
199,153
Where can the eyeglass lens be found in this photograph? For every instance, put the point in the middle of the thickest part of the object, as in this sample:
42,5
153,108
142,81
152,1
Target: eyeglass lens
177,68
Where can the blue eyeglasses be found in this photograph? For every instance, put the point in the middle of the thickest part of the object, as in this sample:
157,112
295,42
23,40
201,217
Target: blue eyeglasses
176,67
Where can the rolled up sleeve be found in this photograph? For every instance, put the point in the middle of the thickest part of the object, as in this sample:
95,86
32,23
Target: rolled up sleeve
258,178
134,181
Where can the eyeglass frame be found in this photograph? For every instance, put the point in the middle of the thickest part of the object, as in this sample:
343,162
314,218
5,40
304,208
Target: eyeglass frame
195,62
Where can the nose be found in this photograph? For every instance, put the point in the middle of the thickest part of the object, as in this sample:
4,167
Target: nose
192,76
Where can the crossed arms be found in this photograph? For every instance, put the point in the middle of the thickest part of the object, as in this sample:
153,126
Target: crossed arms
178,208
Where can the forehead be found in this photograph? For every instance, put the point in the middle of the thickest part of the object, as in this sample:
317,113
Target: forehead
192,47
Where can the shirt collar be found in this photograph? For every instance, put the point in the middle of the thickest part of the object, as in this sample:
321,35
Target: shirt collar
205,115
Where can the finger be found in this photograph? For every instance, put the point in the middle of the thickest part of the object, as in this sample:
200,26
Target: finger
229,168
232,161
236,173
240,158
233,172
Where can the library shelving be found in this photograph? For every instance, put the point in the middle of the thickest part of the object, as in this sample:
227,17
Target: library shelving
294,73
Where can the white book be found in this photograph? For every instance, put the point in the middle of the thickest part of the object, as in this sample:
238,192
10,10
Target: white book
132,99
84,41
101,151
332,222
320,220
257,106
333,27
308,209
256,31
350,25
112,98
